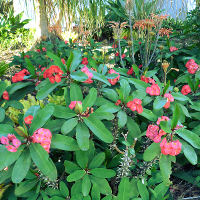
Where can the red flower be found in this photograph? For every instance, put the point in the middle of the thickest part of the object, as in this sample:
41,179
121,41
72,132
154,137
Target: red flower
19,76
153,134
114,46
26,56
5,95
88,73
125,37
63,60
84,61
173,49
117,54
130,71
147,79
44,49
118,102
170,98
191,66
185,90
54,74
162,118
66,41
135,105
154,90
38,50
140,66
28,119
73,104
115,80
123,55
139,43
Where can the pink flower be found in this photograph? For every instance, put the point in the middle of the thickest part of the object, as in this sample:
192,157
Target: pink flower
11,137
176,148
147,79
63,60
11,148
4,140
66,41
38,50
135,105
123,55
115,80
118,102
173,49
191,66
130,71
154,90
16,143
161,133
140,66
162,118
73,104
152,132
185,90
170,98
5,95
89,74
28,119
117,54
44,49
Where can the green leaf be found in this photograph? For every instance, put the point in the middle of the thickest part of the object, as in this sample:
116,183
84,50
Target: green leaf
97,160
82,136
82,159
90,99
17,86
2,87
133,128
69,61
159,103
63,112
98,128
76,61
95,193
110,94
64,143
190,137
102,172
166,87
5,129
70,167
125,89
21,167
30,67
109,107
69,125
75,92
148,114
86,185
136,70
79,76
25,186
180,97
176,116
184,110
2,114
41,159
151,152
140,85
189,153
47,88
76,175
14,104
41,118
165,168
165,126
124,189
32,111
122,118
100,77
64,189
143,190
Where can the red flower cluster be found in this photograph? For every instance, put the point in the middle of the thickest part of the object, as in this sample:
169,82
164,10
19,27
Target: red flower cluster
89,74
135,105
123,55
19,76
28,119
154,134
7,140
54,74
185,90
192,66
5,95
43,137
117,54
118,102
162,118
130,71
115,80
38,50
147,80
26,56
114,46
44,49
154,90
172,49
172,148
170,98
84,61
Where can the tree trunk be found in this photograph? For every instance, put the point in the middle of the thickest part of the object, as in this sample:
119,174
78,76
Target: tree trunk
41,20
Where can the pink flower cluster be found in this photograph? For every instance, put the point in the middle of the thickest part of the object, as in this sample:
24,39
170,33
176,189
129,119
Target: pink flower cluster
43,137
88,73
73,104
10,139
185,90
162,118
135,105
154,90
147,80
192,66
172,49
170,98
115,80
172,148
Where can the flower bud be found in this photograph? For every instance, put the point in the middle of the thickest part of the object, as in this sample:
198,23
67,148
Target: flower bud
165,66
176,89
78,107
